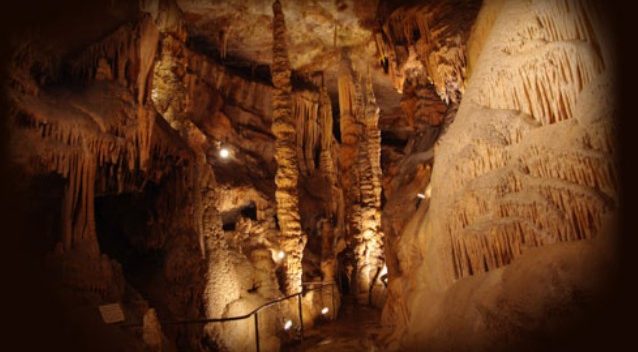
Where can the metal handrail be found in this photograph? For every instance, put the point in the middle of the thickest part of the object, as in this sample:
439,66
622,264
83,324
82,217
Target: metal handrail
254,312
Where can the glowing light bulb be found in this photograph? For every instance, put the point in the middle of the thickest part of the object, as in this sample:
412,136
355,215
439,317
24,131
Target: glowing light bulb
384,270
383,275
325,310
288,324
281,255
224,153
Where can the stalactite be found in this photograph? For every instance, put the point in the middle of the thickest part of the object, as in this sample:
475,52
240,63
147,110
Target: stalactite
286,179
333,227
434,34
545,86
539,178
305,110
99,146
327,162
81,152
129,53
422,107
348,150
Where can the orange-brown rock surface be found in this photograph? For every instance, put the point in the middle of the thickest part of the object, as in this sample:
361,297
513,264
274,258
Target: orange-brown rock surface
523,185
286,179
454,162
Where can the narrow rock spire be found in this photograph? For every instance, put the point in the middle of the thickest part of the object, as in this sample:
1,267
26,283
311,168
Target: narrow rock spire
286,179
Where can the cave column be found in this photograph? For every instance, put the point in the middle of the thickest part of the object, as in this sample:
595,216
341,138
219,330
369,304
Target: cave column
361,176
350,135
286,179
368,240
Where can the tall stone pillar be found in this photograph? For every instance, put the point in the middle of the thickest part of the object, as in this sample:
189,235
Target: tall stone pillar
286,179
368,240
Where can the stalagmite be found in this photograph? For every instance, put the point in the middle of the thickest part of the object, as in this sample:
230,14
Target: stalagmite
361,176
286,179
305,111
368,241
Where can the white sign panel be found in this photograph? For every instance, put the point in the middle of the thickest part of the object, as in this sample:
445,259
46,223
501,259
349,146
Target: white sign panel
111,313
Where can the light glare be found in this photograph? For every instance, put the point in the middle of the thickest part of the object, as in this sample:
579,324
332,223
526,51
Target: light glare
224,153
384,270
325,310
288,324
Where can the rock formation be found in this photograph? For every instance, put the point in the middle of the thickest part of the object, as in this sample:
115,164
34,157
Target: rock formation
283,127
449,164
432,34
504,182
368,240
333,227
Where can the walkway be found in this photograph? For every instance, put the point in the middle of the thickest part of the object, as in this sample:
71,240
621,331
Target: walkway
355,329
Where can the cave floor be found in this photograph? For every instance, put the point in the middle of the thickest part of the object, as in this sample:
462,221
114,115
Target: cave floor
356,329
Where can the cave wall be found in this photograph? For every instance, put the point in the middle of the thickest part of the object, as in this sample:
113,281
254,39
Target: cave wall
91,121
523,188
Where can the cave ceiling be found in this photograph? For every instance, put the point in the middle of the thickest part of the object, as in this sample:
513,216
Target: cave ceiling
318,32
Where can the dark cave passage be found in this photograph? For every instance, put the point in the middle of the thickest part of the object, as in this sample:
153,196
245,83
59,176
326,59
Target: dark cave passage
122,227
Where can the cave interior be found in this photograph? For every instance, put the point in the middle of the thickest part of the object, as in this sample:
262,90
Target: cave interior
343,175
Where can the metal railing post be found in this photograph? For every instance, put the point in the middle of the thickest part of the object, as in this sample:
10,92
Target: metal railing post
257,331
300,315
334,306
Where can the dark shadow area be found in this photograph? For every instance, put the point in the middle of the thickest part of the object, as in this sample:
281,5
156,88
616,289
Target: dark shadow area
122,227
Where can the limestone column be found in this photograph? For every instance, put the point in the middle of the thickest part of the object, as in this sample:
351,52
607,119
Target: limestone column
368,241
286,179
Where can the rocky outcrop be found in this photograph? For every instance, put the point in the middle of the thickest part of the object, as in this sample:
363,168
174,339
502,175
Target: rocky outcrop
523,179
